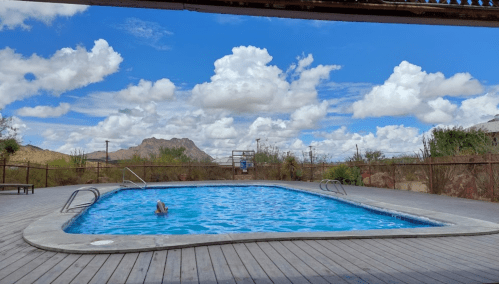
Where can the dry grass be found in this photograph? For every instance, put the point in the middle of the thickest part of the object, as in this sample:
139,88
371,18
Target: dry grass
33,155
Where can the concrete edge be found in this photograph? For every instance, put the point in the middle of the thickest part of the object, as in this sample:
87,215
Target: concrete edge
47,233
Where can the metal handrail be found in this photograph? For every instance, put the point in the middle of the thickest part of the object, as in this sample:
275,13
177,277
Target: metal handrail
334,182
71,198
129,181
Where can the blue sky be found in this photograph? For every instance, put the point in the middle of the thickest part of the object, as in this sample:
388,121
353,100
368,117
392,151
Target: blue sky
74,76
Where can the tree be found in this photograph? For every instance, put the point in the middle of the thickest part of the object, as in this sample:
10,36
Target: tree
374,155
8,137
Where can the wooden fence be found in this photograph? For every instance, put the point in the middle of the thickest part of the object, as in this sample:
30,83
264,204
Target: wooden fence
436,174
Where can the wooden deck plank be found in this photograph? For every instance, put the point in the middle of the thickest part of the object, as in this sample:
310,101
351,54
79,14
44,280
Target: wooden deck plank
304,269
256,272
336,263
172,268
236,266
205,267
440,260
322,270
310,274
18,260
487,255
406,274
140,268
121,273
74,269
188,268
14,239
46,265
475,243
91,269
353,262
156,268
448,260
16,252
220,266
58,269
465,259
291,273
13,273
107,269
266,264
422,259
12,247
408,261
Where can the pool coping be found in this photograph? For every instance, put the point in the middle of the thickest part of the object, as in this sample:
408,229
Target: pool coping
47,233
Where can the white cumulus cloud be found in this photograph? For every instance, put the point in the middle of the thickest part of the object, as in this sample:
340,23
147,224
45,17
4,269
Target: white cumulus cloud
411,91
307,117
66,70
221,129
44,111
14,13
147,91
245,82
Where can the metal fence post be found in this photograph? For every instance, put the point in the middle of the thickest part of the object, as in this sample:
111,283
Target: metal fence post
46,175
491,178
431,177
4,163
27,173
394,169
370,184
98,164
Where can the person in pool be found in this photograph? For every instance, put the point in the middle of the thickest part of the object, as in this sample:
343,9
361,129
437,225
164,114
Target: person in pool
160,208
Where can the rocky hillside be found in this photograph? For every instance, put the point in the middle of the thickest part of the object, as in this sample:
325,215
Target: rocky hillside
151,146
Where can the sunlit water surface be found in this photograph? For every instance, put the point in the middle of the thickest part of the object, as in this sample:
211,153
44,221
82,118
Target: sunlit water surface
227,209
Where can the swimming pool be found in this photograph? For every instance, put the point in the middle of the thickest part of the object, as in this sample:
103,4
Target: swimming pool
230,209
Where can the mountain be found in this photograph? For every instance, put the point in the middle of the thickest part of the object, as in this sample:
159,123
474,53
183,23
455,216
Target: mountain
151,146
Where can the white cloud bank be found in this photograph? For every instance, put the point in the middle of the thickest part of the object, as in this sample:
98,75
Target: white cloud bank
44,111
66,70
411,91
147,91
244,83
14,13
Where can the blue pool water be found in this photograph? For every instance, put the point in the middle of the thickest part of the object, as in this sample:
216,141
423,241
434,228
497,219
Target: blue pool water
228,209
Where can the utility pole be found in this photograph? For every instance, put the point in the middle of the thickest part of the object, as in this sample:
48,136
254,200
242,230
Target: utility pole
257,145
107,156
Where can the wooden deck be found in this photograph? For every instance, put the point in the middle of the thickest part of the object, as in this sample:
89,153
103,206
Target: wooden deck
424,260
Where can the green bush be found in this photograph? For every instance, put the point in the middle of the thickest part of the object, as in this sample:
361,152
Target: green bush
341,173
356,176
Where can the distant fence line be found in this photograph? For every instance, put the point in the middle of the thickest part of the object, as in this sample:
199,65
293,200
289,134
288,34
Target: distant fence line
482,171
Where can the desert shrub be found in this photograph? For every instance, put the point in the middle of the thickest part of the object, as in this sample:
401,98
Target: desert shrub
77,158
356,176
341,173
410,177
197,173
268,154
290,166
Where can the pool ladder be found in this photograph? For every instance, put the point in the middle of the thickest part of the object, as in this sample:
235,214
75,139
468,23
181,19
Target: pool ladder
129,181
67,205
334,182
